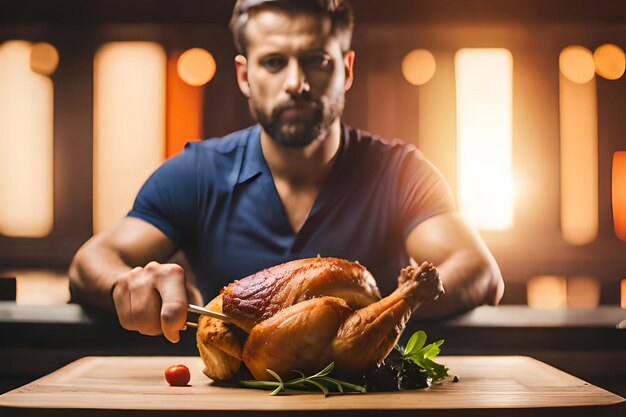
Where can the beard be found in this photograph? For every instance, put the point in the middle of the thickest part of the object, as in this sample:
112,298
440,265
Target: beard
312,120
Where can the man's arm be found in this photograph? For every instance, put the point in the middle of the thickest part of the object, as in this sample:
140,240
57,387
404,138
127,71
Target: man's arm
123,268
467,269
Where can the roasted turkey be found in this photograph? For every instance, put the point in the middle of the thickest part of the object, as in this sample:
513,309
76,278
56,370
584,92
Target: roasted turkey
306,313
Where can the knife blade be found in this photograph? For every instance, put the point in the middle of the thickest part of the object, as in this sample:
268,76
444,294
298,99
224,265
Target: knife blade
204,312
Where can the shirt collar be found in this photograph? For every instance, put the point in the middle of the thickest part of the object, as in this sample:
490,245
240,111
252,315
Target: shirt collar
253,162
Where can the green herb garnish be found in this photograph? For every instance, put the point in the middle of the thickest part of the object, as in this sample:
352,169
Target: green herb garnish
423,356
320,381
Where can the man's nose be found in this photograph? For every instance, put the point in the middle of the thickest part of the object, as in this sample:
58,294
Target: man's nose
295,79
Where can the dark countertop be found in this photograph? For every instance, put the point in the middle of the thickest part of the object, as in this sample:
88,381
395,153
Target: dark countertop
517,316
523,316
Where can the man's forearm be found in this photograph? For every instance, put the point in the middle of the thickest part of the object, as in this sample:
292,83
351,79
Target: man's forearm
469,280
92,274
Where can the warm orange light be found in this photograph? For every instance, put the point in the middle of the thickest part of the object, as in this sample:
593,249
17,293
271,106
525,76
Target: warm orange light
623,284
41,287
129,124
547,291
44,58
436,121
26,143
579,161
184,110
610,61
618,185
583,292
196,66
418,66
576,63
484,80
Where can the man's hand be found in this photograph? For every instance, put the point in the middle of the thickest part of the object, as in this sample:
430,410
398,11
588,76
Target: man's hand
152,300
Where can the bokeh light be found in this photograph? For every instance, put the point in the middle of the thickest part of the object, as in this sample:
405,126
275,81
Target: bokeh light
44,58
26,145
583,292
578,134
618,197
196,66
484,108
576,64
129,125
418,66
610,61
547,291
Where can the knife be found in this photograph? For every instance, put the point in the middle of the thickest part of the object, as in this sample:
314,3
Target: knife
204,312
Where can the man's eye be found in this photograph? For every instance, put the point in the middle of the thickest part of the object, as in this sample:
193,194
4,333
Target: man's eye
274,63
318,62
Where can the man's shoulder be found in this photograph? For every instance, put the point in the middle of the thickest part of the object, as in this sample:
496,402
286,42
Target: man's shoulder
364,142
210,159
223,145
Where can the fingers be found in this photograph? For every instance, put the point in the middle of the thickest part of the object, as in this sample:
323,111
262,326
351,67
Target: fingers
121,300
174,302
145,301
495,292
152,300
193,295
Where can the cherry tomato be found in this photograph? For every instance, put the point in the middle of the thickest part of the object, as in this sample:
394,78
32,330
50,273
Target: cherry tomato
177,375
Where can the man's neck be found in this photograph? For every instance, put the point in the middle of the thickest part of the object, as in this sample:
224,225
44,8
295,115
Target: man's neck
303,167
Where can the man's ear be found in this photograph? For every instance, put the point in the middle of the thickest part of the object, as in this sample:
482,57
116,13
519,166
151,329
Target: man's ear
348,65
241,67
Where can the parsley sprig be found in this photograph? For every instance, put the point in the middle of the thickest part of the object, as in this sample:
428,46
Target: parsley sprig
320,381
423,356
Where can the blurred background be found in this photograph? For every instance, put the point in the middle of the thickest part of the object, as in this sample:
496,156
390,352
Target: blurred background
520,104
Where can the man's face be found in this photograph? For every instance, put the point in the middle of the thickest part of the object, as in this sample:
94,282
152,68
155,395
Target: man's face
295,75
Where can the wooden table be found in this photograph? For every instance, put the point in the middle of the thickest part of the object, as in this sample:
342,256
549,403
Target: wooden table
489,385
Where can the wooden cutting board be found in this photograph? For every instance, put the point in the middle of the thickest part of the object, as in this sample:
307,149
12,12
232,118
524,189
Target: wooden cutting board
487,383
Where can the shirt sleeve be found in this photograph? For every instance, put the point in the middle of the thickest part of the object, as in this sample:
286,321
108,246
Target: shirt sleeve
168,199
423,191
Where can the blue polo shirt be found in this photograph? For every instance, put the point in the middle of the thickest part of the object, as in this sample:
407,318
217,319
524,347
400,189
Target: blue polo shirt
217,202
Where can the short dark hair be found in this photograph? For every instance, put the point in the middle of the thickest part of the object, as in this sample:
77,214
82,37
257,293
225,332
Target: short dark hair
339,12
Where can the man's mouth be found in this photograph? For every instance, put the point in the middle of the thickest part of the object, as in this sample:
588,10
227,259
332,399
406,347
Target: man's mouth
297,109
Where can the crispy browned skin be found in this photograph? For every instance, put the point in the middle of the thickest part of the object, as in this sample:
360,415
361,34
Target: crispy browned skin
309,335
258,297
218,344
304,314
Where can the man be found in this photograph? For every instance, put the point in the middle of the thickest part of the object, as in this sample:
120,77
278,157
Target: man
296,185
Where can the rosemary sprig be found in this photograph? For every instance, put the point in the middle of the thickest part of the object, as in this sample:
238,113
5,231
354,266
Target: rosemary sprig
320,381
